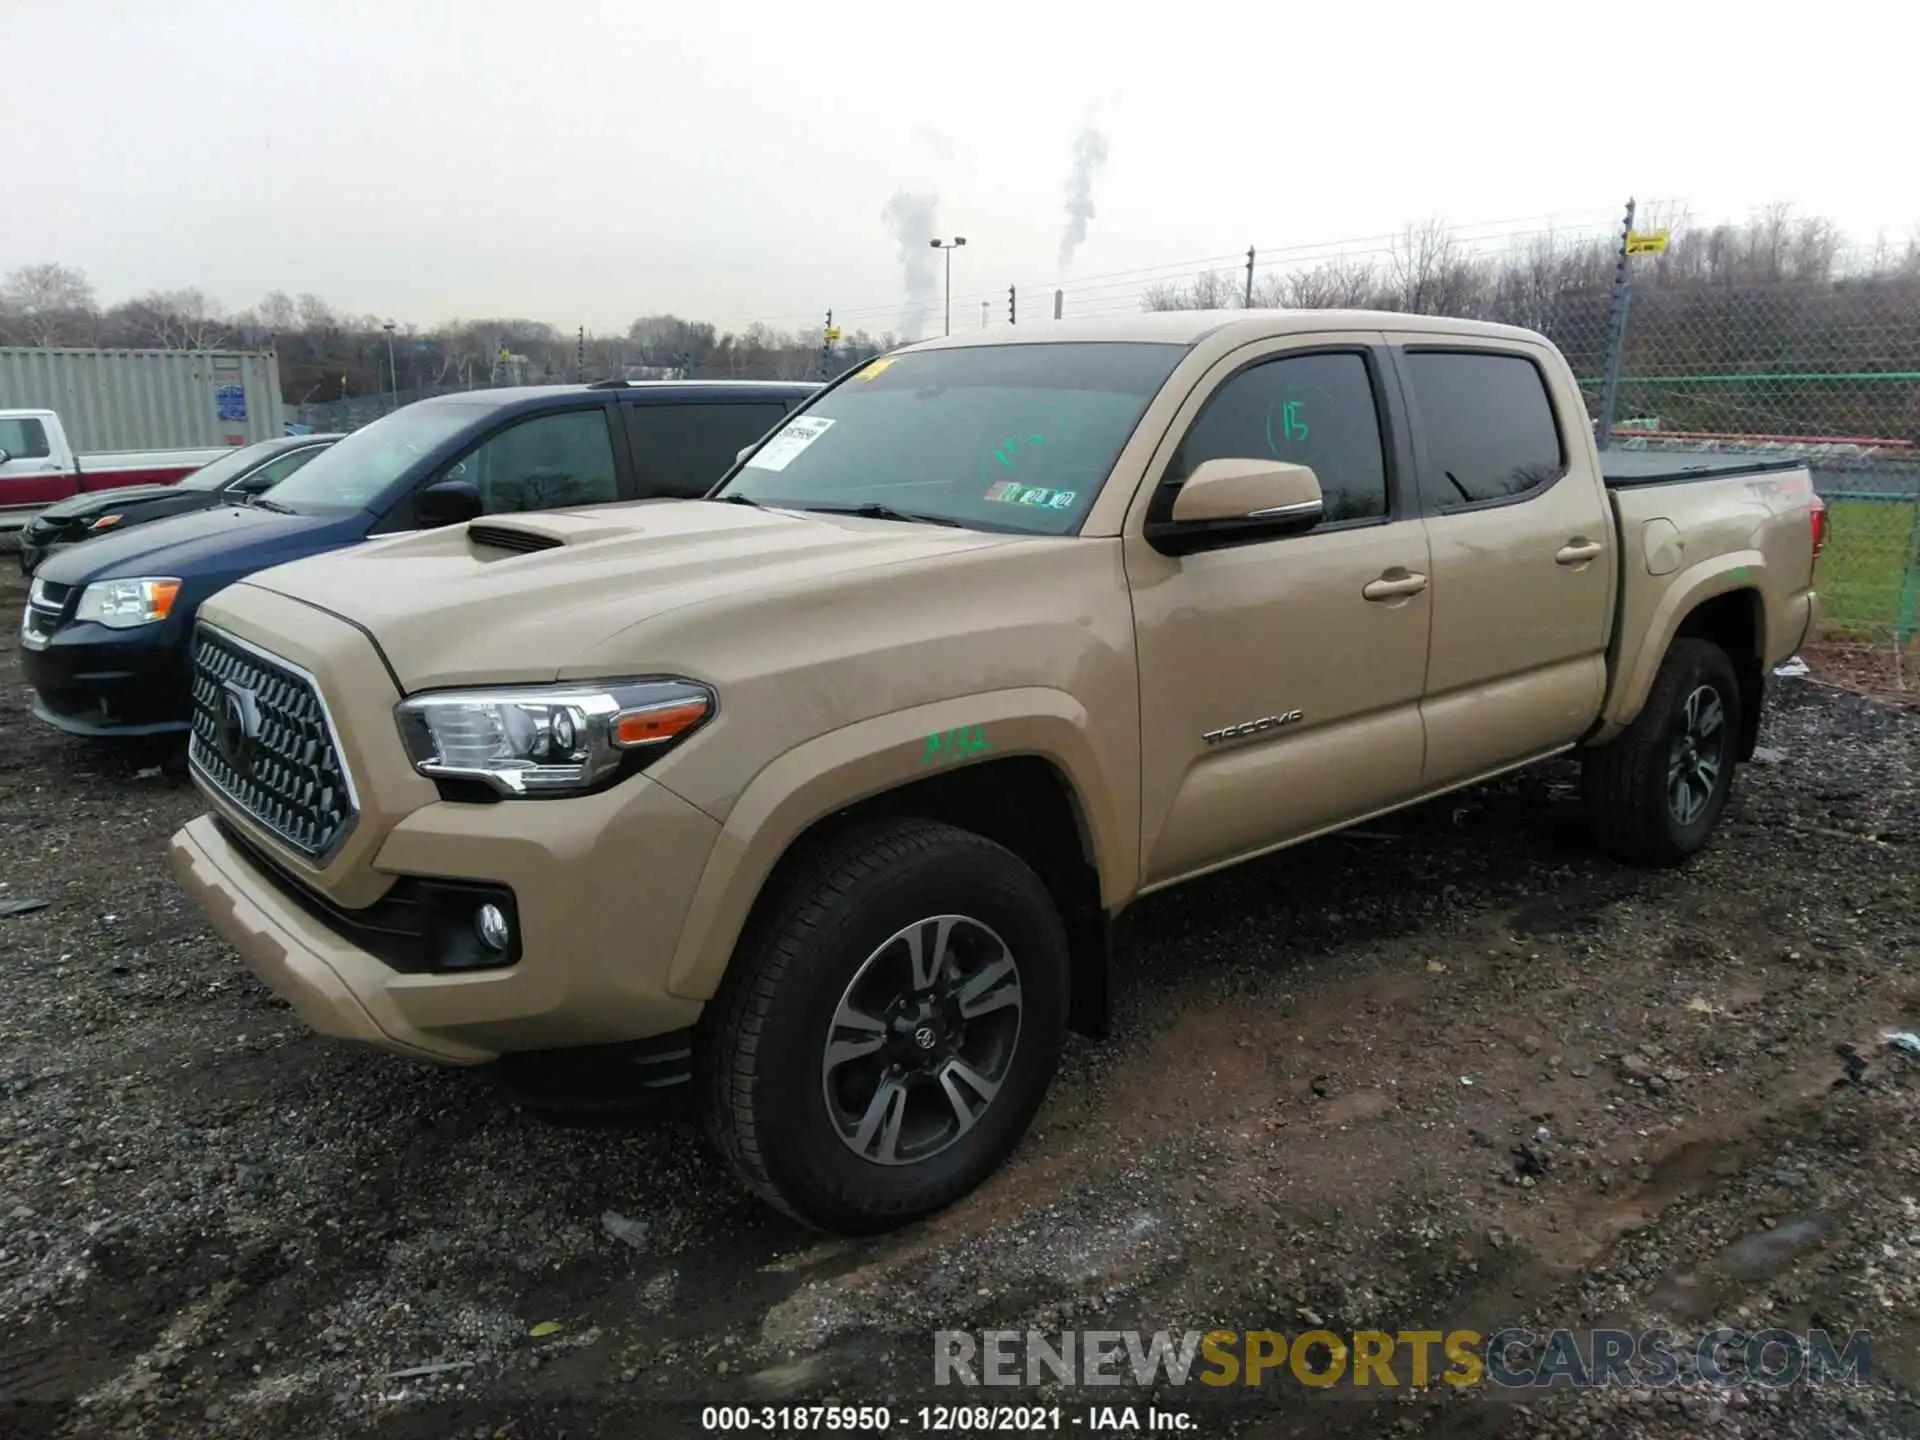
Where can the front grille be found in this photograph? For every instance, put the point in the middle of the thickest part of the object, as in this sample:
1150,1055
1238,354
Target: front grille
45,607
262,737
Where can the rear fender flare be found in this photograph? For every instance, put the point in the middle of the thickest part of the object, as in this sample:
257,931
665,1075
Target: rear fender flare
1692,588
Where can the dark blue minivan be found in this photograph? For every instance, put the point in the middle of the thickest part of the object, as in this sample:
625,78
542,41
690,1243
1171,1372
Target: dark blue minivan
108,625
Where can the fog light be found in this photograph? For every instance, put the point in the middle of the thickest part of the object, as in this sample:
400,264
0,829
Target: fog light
490,924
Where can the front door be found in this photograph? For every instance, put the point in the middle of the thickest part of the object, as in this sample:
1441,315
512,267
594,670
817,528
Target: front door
1308,650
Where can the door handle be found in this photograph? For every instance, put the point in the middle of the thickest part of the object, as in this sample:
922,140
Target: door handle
1577,552
1394,587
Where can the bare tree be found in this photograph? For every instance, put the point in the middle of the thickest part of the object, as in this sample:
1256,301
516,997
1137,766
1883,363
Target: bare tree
1428,274
1209,290
277,312
47,303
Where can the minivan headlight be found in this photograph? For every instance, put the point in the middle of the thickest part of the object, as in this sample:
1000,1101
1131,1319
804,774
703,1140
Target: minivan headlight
123,604
543,740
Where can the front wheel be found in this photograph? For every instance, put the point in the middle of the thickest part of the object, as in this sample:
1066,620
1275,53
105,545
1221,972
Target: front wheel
889,1027
1655,792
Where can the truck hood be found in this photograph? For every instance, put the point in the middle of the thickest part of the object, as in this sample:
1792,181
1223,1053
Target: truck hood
105,502
220,540
453,607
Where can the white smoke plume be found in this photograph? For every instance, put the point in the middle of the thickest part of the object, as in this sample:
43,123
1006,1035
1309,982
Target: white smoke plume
1089,154
911,218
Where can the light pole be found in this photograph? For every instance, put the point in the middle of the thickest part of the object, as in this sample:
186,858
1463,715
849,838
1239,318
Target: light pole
949,246
393,375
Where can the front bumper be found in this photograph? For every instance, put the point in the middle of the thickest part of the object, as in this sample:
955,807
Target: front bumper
601,882
90,680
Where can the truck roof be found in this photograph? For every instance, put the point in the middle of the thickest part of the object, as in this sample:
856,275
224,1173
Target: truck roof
645,391
1188,327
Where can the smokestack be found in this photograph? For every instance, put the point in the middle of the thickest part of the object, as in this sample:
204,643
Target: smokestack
910,219
1089,154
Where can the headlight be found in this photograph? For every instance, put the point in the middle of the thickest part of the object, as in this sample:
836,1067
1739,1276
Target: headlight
549,739
122,604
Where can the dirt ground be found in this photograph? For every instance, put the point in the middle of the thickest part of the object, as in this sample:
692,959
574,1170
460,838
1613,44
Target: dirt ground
1452,1071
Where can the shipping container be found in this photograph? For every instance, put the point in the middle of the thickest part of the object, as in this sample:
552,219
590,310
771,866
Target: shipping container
148,399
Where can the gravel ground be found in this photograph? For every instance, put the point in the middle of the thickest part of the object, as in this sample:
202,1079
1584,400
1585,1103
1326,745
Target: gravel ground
1452,1071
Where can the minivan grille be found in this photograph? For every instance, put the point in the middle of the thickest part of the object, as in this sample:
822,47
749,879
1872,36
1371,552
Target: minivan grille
262,737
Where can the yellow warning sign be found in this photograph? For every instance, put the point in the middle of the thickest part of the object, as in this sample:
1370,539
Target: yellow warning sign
833,332
1646,242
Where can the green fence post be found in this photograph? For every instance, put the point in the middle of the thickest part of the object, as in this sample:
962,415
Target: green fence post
1908,620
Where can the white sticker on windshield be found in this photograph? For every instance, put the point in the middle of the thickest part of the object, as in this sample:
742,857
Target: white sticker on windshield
778,452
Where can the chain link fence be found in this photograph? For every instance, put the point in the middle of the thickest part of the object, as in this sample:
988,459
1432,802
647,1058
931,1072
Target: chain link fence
1828,372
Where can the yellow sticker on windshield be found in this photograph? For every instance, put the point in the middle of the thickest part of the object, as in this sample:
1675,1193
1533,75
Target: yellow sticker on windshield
872,371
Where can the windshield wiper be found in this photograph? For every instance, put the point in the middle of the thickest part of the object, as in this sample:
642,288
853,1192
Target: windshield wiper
736,498
274,505
870,510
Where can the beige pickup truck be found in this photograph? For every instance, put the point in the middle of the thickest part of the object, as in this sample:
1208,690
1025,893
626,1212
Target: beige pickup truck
815,798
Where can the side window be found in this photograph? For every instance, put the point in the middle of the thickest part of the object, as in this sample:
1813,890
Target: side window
545,463
274,471
1313,410
1487,425
23,439
682,449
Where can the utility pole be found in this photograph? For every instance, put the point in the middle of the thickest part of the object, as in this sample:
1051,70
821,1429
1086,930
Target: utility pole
1013,311
1616,335
1059,298
949,246
580,356
393,375
826,348
1249,300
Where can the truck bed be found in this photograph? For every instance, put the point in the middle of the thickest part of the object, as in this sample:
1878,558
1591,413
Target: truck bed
1625,469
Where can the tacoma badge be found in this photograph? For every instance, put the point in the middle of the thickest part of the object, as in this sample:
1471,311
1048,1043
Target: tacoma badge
1251,727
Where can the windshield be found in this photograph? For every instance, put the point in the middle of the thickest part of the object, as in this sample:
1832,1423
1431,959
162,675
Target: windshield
992,437
351,473
219,474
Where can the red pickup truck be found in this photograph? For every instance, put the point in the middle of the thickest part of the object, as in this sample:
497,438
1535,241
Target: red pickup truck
38,466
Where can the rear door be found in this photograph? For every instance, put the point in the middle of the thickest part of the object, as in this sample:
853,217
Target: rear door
680,448
1522,549
31,477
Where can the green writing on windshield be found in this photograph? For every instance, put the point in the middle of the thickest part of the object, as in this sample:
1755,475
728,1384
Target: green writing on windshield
955,744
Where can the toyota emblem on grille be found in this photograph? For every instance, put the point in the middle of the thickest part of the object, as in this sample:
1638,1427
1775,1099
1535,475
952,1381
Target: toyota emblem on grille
237,724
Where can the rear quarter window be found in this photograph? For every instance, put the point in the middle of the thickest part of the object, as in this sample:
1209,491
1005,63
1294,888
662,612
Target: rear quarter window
1487,427
681,450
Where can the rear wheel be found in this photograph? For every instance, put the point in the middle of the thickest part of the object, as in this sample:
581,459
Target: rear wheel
1655,792
889,1029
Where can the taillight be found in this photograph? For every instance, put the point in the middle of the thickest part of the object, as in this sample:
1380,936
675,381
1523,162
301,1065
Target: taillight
1817,518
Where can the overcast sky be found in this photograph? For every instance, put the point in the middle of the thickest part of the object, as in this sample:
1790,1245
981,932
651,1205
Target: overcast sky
586,163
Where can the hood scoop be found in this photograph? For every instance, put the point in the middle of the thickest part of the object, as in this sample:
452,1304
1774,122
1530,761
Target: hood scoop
511,537
523,534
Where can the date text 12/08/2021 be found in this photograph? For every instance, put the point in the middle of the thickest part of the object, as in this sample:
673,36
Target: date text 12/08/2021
946,1419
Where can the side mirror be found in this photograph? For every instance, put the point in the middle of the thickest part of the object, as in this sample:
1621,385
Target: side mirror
448,502
745,450
1233,499
4,456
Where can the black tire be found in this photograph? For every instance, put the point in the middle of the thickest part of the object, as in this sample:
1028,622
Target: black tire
762,1064
1628,782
